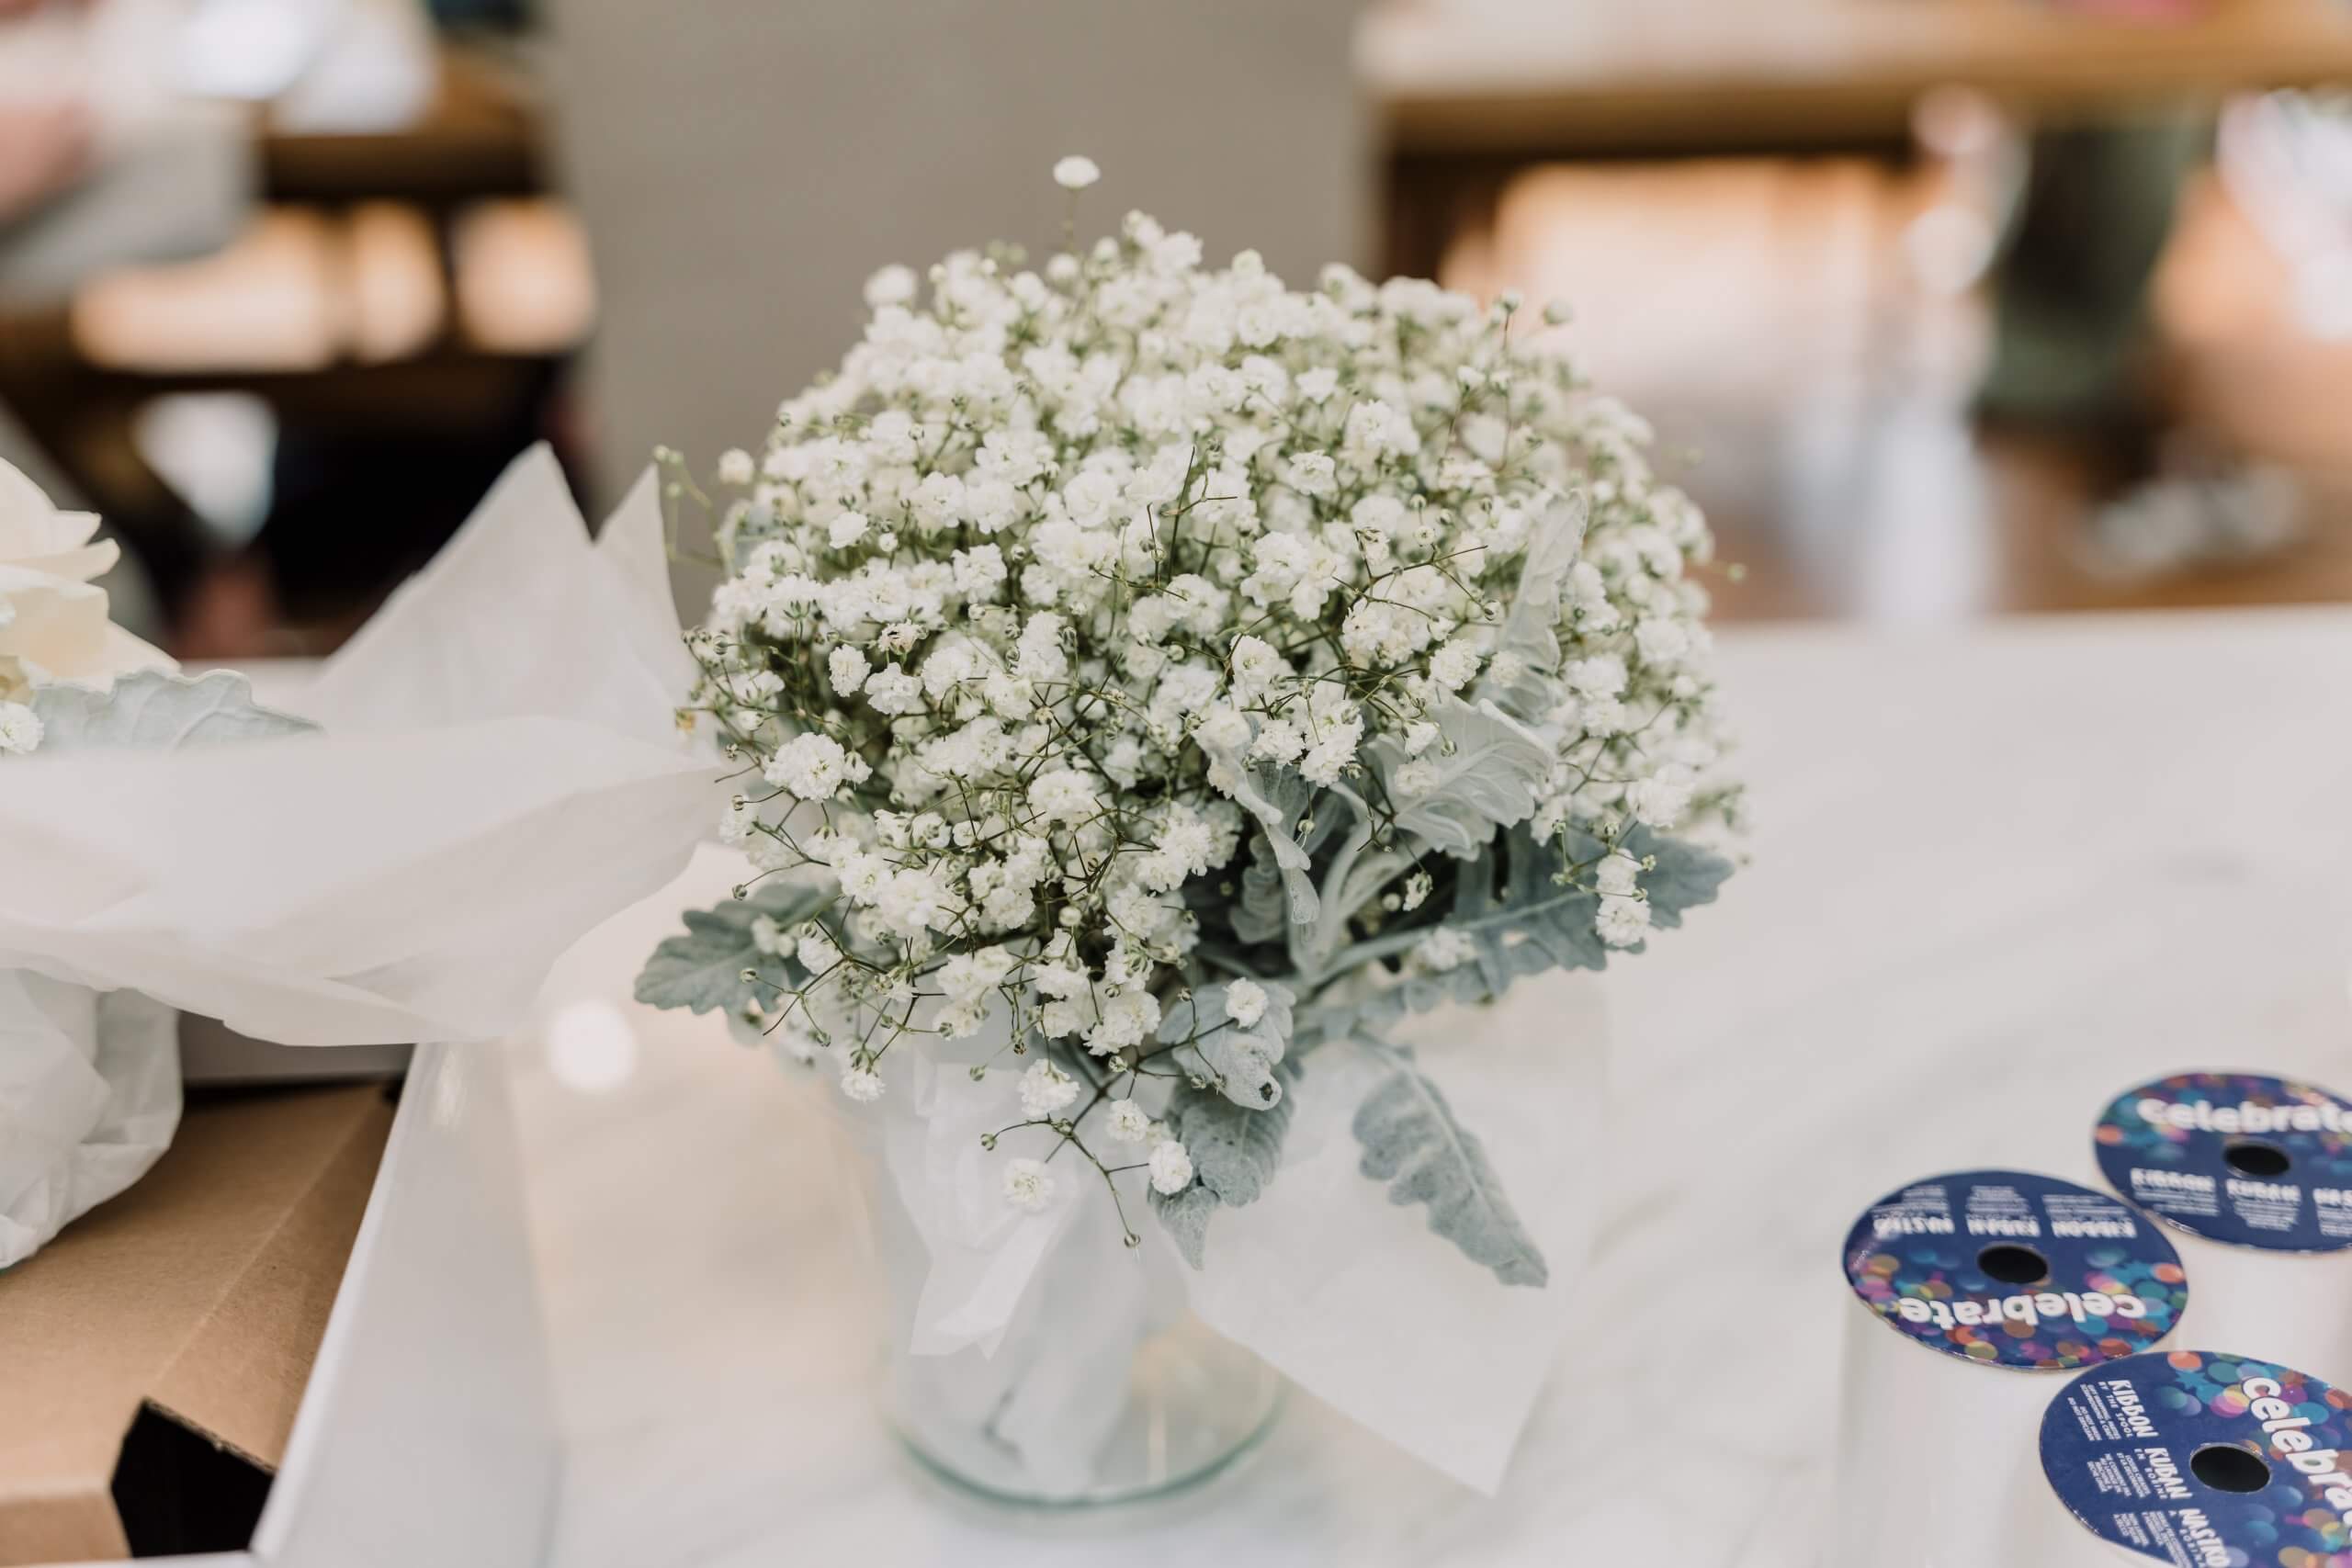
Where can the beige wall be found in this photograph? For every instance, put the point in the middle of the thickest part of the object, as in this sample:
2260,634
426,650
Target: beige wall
744,164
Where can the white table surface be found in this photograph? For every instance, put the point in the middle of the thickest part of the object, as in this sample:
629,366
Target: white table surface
1999,874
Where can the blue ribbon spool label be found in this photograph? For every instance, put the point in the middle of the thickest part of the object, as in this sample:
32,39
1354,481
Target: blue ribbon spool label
2205,1460
2237,1157
2014,1270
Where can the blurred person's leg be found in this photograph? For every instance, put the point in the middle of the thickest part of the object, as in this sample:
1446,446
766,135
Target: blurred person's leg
2071,291
2072,351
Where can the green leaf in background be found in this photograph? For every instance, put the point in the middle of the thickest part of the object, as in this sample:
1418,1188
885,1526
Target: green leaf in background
152,711
1412,1142
703,970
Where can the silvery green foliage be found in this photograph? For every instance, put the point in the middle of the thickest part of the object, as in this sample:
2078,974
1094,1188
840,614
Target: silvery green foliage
1682,874
1260,791
1263,913
1412,1142
1185,1217
152,711
704,969
1239,1061
1533,923
1529,628
1236,1151
1488,771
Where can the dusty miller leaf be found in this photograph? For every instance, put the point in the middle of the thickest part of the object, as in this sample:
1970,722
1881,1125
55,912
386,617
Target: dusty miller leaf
1412,1142
1262,914
1533,923
1236,1152
1490,767
1185,1217
704,969
151,711
1239,1061
1260,791
1530,631
1686,874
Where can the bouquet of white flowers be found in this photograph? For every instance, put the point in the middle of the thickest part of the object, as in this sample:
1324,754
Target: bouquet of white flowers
1179,672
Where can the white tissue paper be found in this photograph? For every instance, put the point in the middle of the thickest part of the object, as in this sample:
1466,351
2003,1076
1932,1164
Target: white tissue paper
500,769
89,1095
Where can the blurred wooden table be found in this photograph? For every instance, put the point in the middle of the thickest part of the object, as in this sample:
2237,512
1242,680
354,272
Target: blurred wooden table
1615,77
1470,91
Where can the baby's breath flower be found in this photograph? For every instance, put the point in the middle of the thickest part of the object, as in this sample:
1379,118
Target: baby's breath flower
1028,1185
1171,1167
1622,923
1045,1089
1079,601
20,727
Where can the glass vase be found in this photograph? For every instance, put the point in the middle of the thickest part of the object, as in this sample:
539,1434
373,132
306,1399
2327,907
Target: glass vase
1099,1388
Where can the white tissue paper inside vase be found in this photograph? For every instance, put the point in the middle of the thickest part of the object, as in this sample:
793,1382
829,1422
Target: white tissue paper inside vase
1022,1322
499,768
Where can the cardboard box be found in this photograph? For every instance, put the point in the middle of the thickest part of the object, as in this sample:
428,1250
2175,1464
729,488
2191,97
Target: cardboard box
186,1368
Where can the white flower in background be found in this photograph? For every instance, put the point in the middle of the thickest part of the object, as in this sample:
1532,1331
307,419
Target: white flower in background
53,621
1171,1167
1084,594
1028,1185
1127,1122
1045,1090
736,468
19,728
893,284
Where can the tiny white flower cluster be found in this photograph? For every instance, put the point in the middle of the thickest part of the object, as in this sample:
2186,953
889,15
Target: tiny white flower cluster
21,728
1034,605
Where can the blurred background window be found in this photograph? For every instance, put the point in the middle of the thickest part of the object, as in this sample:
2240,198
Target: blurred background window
1944,307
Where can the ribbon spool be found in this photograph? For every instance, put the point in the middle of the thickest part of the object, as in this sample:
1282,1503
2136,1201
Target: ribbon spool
2253,1173
1977,1292
2199,1458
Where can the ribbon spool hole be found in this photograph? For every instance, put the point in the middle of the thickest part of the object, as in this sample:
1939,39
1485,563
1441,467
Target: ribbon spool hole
2228,1468
2253,1156
2012,1264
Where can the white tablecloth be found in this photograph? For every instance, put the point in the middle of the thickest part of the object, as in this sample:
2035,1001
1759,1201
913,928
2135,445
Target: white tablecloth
1999,874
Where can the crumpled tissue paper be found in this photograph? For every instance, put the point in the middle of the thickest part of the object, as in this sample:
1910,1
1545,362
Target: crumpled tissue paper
499,768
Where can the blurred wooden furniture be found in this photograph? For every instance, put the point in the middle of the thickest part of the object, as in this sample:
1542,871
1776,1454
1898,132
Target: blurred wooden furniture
353,305
1469,90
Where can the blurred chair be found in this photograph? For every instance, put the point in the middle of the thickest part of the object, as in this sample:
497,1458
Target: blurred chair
743,166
